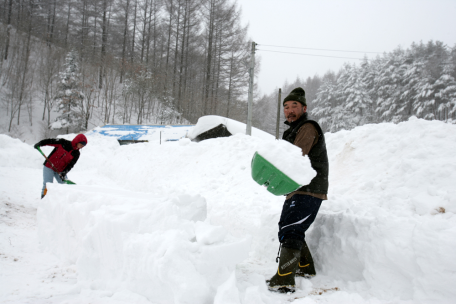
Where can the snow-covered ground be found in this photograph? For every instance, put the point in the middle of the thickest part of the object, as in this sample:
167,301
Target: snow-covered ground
184,222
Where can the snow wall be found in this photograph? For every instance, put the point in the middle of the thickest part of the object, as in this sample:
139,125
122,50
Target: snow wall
185,223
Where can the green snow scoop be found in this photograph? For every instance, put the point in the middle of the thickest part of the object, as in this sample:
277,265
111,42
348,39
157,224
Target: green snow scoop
66,181
266,174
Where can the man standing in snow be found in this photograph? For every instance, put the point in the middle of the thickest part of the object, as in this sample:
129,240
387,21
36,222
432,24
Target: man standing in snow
63,158
301,206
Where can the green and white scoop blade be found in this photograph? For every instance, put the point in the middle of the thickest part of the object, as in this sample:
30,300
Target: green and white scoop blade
266,174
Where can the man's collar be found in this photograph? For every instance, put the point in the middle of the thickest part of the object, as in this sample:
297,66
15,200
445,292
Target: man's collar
294,123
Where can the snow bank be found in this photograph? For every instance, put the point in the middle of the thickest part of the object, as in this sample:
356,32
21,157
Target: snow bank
15,153
390,222
159,247
405,169
387,232
205,123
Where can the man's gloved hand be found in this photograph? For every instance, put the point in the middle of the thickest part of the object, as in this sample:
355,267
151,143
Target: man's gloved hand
62,175
36,146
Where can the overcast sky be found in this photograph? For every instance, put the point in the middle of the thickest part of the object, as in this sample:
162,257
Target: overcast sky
354,25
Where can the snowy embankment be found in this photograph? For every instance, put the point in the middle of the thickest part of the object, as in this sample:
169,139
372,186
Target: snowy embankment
185,223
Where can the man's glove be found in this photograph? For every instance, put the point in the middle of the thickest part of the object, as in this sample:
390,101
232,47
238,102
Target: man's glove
62,175
36,146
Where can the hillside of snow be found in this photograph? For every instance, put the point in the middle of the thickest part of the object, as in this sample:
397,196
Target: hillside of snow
184,222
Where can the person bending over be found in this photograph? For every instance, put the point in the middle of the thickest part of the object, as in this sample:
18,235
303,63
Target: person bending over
63,158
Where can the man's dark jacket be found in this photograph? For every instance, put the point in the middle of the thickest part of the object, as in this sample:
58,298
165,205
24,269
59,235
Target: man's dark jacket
318,155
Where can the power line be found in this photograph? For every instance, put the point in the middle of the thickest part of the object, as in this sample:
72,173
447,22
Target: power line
309,54
293,47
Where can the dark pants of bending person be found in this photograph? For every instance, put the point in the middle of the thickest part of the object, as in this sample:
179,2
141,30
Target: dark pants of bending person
298,213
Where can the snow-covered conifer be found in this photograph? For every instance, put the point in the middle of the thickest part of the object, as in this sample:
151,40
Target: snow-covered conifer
69,96
423,94
445,94
390,87
356,99
324,104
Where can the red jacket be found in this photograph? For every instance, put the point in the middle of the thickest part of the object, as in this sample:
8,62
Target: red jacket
65,154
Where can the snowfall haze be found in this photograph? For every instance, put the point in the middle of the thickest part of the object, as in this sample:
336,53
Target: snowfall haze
365,28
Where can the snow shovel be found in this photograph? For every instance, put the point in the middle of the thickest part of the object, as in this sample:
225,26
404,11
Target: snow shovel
266,174
66,181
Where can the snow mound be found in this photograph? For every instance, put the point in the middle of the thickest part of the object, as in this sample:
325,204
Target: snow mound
405,169
15,153
390,220
153,246
191,216
205,123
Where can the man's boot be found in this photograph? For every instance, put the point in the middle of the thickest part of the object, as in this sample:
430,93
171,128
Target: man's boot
44,193
306,266
284,280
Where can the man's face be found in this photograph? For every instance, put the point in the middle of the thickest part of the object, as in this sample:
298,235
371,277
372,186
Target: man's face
293,110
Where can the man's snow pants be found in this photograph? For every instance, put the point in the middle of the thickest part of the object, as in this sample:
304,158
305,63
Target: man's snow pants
298,213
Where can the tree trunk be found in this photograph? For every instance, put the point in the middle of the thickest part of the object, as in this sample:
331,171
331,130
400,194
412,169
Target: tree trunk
134,34
124,44
168,46
8,28
26,61
143,40
104,39
148,34
209,56
181,64
176,52
67,24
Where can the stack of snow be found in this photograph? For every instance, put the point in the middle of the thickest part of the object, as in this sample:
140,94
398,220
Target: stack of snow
388,230
390,223
14,153
206,123
296,166
160,248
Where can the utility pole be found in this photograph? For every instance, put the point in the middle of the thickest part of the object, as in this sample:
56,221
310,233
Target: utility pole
278,113
250,102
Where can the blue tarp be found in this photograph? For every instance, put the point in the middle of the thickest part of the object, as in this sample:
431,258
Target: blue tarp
141,132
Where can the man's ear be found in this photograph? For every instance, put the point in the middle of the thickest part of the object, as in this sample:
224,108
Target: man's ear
304,109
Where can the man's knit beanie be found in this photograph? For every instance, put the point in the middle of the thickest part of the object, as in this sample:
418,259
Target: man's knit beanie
298,95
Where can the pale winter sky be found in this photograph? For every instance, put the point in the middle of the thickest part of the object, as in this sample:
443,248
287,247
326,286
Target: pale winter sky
353,25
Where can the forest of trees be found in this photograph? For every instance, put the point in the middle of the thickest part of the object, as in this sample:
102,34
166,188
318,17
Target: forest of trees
173,61
136,61
419,81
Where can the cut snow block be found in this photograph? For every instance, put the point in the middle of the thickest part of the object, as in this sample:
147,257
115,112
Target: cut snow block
266,174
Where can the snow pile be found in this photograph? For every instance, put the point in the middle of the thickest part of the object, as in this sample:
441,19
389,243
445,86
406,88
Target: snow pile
380,231
205,123
14,153
161,248
296,166
184,222
390,223
407,169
